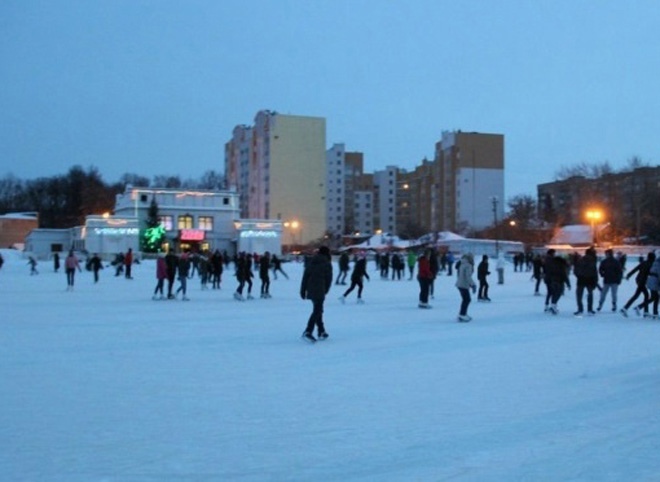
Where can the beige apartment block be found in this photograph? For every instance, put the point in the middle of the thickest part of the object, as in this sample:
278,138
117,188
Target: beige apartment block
278,168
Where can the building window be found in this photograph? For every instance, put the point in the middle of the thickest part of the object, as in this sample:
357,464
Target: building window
185,222
206,223
167,222
225,201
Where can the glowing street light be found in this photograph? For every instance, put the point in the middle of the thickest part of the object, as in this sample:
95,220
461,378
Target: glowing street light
593,215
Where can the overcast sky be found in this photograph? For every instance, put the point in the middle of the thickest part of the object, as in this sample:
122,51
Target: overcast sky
156,87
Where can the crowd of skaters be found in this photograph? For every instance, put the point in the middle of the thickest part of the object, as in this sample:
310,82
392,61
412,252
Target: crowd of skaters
592,278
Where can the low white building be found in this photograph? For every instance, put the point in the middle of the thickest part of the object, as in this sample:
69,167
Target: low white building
193,219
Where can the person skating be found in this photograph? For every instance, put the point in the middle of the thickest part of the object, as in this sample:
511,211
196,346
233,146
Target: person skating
161,276
499,267
482,277
128,263
359,272
71,264
56,262
277,267
537,273
184,270
612,274
315,284
424,278
412,261
653,285
172,263
465,283
243,276
264,270
586,272
556,277
32,262
95,265
642,269
344,264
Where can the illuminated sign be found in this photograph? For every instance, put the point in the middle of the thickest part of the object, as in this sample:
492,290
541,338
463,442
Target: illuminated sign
191,235
258,234
117,231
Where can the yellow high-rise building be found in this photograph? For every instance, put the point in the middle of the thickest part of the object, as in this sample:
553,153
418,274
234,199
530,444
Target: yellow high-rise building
278,168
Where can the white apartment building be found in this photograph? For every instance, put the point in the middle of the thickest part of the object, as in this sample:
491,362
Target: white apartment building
471,179
385,185
335,198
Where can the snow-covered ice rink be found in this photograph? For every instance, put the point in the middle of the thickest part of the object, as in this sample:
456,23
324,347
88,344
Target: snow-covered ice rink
104,384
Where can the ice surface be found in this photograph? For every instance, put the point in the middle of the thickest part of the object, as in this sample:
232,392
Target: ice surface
105,384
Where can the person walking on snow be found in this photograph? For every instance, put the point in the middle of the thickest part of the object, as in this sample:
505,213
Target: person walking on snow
465,283
315,284
359,272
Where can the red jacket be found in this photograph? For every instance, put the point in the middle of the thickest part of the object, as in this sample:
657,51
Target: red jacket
161,268
424,268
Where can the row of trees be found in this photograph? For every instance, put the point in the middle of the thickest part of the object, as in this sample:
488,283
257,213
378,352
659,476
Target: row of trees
63,201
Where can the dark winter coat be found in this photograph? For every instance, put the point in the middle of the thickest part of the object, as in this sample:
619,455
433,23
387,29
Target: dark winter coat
610,270
344,261
264,266
586,272
642,270
171,261
359,270
482,270
556,270
317,278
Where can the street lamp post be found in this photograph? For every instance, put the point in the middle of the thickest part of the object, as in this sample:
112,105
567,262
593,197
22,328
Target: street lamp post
593,215
497,237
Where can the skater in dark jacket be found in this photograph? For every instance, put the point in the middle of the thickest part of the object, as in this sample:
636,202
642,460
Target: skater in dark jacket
172,263
556,277
359,272
264,270
612,273
315,284
96,265
587,278
642,270
482,275
344,263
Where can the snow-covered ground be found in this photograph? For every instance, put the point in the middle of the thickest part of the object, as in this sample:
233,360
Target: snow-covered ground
104,384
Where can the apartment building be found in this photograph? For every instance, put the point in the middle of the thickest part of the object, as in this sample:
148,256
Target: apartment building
630,201
471,180
278,167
